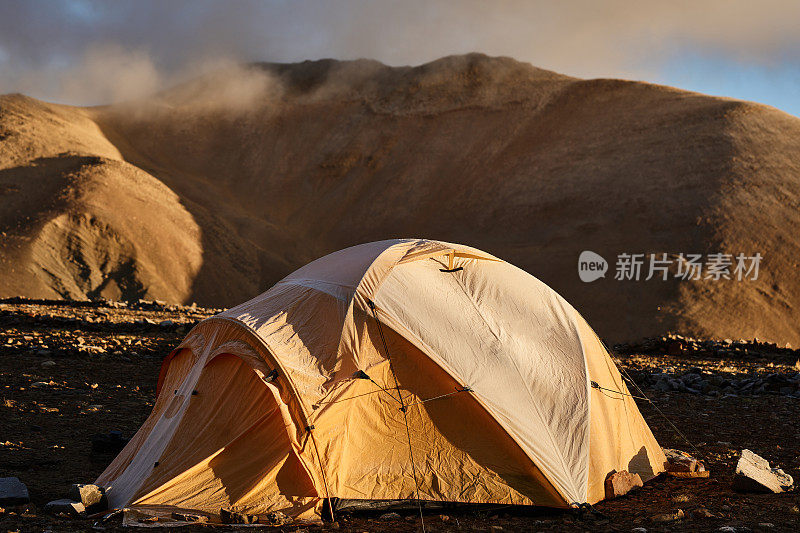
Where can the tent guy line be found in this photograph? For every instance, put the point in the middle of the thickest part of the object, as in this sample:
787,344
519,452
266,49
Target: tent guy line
627,377
440,397
597,386
360,374
418,402
403,409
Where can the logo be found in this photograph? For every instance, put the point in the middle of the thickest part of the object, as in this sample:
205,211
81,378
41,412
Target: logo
683,266
591,266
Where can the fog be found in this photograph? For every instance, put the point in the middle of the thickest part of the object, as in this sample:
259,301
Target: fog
91,52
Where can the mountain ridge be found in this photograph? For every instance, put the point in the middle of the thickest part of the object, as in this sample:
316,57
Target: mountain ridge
214,190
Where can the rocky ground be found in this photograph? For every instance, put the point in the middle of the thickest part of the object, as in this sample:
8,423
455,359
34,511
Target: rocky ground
69,371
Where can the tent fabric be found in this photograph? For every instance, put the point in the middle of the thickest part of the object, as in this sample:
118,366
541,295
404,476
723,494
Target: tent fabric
510,361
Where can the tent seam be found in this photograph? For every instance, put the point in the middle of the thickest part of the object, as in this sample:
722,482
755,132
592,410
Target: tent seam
293,389
477,399
551,438
350,303
549,432
588,400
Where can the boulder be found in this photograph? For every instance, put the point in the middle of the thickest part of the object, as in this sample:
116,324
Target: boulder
92,497
65,507
13,492
621,483
753,474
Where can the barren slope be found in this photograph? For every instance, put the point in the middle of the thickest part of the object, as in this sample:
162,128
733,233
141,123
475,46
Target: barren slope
216,189
77,221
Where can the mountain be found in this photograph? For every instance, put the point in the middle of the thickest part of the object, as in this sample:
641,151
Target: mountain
215,189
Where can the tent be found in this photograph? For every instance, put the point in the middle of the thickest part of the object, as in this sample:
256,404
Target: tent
396,369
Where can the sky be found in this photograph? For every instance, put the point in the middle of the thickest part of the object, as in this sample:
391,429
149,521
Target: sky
100,51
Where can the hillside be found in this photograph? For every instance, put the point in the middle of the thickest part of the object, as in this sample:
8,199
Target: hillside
214,190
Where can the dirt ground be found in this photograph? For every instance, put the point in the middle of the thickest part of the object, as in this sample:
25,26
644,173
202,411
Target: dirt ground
69,371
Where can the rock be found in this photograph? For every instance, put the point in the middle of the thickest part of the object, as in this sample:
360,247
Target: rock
48,363
112,442
13,492
91,496
65,506
678,461
753,474
229,516
669,517
621,483
663,386
184,517
702,512
639,530
276,518
90,349
390,516
675,348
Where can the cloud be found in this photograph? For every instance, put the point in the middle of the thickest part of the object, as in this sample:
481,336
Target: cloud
92,51
105,73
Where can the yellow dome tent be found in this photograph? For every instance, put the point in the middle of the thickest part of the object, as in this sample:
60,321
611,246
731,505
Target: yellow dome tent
396,369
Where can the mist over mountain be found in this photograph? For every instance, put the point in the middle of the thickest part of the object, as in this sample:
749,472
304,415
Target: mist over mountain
215,189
